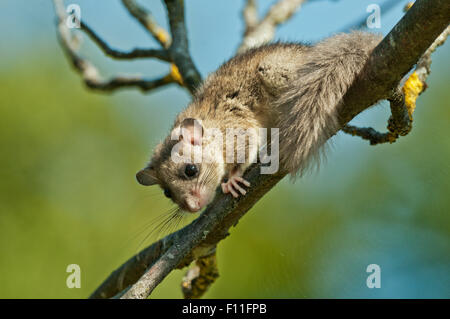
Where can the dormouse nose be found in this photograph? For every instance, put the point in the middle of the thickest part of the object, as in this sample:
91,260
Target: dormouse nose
193,204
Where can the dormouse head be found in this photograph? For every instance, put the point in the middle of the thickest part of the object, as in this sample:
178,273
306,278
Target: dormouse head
185,166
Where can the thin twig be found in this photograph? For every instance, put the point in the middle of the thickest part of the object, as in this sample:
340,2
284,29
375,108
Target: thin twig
89,72
250,14
200,277
264,31
423,67
133,54
370,134
399,124
148,22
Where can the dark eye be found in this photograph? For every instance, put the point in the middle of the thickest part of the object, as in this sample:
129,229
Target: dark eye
191,170
167,193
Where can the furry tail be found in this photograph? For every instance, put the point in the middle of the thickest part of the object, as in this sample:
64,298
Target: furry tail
310,106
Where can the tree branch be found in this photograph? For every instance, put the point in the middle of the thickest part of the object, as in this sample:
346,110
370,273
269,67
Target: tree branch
198,278
133,54
403,99
179,49
423,70
264,31
201,237
396,54
182,70
370,134
90,73
250,14
148,22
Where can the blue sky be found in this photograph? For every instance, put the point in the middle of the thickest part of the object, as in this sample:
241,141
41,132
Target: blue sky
215,26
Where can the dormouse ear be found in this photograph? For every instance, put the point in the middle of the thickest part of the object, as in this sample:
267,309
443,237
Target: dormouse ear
147,176
191,131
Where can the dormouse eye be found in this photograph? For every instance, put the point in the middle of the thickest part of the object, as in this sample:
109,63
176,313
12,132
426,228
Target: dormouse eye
167,193
190,170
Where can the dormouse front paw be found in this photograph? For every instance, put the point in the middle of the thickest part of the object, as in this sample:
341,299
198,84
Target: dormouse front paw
232,186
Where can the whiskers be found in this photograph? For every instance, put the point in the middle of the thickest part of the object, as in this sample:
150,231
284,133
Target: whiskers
207,178
163,224
171,219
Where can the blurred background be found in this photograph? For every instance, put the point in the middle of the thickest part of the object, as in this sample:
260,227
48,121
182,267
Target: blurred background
68,194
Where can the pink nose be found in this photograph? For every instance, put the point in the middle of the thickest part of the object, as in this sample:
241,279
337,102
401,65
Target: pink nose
193,203
193,206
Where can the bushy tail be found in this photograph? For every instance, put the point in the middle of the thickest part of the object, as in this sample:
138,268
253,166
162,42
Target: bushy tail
310,107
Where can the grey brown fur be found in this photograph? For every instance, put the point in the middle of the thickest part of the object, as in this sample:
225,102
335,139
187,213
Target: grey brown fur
296,88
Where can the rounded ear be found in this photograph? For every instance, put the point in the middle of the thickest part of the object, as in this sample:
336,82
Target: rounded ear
147,177
191,131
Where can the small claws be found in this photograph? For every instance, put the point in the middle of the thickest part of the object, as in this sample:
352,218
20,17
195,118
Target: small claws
237,187
224,188
243,181
232,186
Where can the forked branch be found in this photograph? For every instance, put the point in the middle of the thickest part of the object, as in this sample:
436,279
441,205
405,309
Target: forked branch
402,101
182,70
